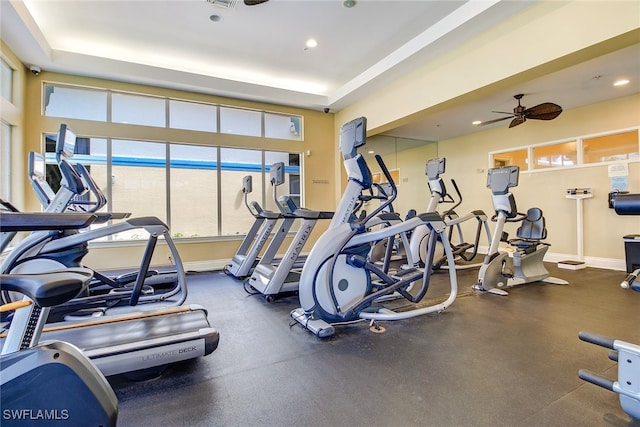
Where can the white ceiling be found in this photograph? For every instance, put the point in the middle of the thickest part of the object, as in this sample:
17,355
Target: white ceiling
258,52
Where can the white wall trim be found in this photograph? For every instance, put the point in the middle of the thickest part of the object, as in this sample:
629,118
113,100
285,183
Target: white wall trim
211,265
596,262
607,263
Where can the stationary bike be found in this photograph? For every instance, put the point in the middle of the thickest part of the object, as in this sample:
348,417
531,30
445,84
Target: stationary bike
52,382
626,354
338,282
498,270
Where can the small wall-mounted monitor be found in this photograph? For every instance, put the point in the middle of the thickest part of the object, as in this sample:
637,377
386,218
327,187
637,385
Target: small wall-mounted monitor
499,180
277,173
66,144
247,184
435,167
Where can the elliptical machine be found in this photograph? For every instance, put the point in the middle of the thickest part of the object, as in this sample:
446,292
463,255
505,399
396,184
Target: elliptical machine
46,250
462,251
54,381
338,282
626,354
526,265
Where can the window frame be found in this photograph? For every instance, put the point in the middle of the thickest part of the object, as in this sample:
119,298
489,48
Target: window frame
579,147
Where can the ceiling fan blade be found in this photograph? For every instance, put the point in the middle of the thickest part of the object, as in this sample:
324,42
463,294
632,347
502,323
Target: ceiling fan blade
517,121
546,111
488,122
254,2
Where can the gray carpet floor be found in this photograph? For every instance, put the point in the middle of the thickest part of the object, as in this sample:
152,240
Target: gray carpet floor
487,361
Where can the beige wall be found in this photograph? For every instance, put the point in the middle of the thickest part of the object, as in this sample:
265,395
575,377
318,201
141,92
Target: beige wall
467,162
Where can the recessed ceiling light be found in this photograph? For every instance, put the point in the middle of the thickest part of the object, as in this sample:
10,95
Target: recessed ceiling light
476,122
311,43
371,152
349,3
215,18
621,82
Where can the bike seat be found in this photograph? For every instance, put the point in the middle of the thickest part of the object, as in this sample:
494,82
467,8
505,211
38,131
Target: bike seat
48,289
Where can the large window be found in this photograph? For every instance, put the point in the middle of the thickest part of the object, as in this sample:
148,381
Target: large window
138,110
76,103
193,186
240,122
103,105
192,116
236,164
196,189
139,177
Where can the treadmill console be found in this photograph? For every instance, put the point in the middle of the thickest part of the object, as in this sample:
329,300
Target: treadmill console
38,178
247,184
287,205
277,174
66,144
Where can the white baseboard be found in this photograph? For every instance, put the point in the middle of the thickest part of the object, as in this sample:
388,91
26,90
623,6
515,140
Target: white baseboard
596,262
211,265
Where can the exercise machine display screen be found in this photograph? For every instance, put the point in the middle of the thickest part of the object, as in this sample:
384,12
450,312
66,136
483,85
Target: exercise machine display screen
247,184
499,180
353,134
435,167
66,144
277,173
37,166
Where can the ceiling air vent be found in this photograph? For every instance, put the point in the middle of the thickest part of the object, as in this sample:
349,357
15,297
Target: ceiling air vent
227,4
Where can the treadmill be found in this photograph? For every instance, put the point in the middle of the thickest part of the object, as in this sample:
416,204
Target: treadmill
134,337
270,277
127,339
246,258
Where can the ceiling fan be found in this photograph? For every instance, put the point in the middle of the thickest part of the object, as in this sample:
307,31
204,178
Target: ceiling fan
230,4
544,111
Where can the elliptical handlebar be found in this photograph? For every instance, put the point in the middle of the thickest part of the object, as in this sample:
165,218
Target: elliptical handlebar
92,186
452,200
391,197
519,216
